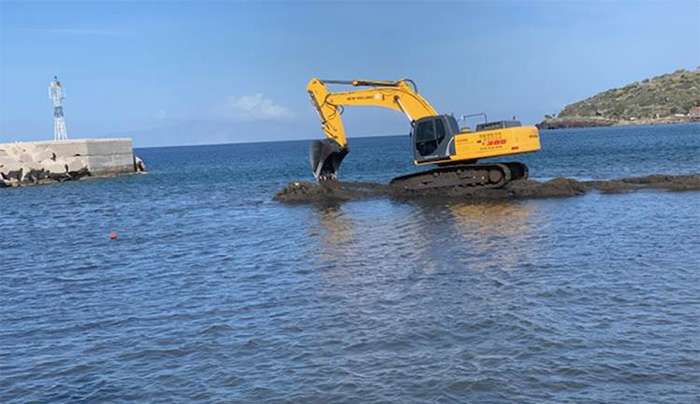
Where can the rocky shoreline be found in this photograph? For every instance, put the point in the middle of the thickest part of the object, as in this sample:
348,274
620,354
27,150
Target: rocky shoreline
333,192
592,122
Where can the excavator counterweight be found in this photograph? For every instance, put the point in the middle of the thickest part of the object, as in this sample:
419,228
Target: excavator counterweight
436,139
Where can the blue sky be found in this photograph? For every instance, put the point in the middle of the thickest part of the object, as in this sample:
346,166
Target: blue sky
171,73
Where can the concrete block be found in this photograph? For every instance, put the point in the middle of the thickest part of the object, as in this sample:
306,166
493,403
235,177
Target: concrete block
112,164
110,147
26,158
55,167
76,163
7,165
44,155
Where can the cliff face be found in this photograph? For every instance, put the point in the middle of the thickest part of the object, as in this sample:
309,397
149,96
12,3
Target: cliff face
663,99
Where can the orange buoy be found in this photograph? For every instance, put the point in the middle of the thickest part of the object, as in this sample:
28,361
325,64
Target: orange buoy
113,235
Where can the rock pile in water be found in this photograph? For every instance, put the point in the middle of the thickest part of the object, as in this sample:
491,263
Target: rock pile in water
307,192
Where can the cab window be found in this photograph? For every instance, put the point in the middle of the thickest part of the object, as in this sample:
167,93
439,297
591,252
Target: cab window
425,132
439,130
425,138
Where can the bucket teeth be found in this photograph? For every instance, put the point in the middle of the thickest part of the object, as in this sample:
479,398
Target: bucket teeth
325,157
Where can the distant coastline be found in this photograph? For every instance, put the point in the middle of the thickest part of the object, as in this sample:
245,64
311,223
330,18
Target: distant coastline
667,99
588,122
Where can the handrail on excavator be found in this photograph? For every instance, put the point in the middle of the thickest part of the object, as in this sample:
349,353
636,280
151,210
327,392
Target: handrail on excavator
371,83
367,83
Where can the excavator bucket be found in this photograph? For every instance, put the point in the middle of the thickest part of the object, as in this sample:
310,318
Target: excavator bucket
325,157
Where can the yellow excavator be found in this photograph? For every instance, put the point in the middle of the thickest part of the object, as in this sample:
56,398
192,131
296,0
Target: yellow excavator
435,138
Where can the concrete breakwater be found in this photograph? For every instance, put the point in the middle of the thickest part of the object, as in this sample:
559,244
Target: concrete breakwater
306,192
28,163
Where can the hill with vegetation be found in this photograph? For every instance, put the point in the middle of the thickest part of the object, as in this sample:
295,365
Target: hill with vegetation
669,98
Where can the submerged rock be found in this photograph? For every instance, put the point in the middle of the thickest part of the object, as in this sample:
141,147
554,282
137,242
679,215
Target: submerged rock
670,182
329,191
557,187
307,192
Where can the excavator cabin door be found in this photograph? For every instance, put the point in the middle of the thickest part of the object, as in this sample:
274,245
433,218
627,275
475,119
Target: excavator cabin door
431,137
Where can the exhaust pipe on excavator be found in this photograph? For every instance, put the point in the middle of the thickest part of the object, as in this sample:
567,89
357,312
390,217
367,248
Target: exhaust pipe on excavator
325,157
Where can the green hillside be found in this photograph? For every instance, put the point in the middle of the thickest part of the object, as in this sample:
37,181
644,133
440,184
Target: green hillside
661,96
662,99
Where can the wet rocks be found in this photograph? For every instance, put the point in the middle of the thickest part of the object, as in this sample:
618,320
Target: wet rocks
28,164
33,176
574,122
329,191
307,192
668,182
555,188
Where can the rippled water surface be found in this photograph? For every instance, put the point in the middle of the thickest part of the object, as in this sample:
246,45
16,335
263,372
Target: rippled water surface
214,292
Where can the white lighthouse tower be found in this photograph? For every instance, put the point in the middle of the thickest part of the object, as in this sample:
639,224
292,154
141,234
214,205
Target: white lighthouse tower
59,124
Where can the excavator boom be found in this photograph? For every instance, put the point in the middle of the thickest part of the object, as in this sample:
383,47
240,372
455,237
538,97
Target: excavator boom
400,95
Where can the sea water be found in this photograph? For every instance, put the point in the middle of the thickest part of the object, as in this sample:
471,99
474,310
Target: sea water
214,292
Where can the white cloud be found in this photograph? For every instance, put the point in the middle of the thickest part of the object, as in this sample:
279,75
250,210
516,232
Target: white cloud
255,108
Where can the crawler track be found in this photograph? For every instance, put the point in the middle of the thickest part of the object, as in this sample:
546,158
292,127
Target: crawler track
486,175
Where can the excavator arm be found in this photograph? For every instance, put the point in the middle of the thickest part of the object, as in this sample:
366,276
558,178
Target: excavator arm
401,95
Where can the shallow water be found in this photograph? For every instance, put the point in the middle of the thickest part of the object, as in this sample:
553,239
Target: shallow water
214,292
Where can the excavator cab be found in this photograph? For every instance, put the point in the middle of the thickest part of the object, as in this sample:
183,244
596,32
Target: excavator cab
432,138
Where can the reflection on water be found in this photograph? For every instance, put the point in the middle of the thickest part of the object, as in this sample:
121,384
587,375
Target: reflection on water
433,235
378,234
498,218
336,228
497,229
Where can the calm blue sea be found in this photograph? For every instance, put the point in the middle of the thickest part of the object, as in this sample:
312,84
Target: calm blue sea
213,292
